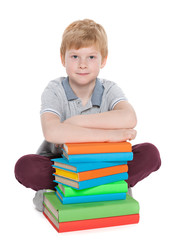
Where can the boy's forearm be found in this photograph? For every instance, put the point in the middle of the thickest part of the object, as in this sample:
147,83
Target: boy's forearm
73,133
65,133
116,119
56,132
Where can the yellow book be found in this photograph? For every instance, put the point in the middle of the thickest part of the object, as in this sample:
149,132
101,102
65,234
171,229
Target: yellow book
67,174
97,173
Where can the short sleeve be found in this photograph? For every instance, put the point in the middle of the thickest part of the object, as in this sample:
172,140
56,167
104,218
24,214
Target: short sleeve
50,100
114,95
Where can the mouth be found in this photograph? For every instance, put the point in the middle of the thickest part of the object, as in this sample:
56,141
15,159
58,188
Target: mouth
82,74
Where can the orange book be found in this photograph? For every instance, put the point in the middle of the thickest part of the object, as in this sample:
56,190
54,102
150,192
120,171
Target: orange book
97,147
97,173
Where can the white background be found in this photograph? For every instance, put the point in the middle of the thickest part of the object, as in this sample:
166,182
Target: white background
144,59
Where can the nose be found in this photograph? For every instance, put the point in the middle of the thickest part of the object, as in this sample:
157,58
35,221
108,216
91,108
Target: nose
82,64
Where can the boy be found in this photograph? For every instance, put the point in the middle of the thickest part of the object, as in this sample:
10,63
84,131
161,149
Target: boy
83,108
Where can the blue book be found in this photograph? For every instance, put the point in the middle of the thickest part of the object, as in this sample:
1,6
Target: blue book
90,198
99,157
92,182
62,163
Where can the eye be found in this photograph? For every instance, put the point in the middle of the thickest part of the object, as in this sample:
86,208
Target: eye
92,57
74,56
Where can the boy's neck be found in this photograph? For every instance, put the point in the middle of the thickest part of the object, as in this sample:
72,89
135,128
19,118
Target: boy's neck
83,92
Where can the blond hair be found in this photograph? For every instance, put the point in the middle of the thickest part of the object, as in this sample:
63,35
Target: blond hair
84,33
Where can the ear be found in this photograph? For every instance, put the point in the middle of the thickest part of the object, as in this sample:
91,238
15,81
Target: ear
62,61
104,60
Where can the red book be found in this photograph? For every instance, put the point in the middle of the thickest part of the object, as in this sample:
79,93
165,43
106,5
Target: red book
91,223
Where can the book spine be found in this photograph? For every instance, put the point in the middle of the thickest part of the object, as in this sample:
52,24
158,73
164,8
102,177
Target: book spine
83,211
103,180
115,187
82,167
91,223
88,148
87,175
100,157
99,210
92,182
91,198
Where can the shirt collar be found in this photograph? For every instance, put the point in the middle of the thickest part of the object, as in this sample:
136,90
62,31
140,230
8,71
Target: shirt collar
96,95
68,90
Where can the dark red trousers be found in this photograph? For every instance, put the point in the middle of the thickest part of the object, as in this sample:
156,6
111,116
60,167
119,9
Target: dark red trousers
35,171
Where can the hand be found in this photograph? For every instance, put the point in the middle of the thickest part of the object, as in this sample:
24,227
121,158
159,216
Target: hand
120,135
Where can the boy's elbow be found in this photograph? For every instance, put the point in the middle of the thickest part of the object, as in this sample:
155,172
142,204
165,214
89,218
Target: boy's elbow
51,126
48,138
52,135
47,135
133,121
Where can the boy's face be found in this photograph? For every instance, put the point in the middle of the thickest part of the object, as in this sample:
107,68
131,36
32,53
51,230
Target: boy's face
83,65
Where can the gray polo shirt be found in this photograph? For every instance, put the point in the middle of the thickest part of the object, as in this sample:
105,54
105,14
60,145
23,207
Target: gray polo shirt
59,98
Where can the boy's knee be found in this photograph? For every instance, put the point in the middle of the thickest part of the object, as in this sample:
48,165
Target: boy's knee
25,170
153,155
35,171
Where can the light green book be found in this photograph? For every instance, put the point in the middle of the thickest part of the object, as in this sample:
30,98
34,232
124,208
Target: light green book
82,211
115,187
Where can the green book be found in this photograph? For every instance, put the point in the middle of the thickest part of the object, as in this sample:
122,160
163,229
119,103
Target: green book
115,187
82,211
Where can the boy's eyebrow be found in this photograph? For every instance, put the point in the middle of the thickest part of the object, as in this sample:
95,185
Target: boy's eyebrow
91,53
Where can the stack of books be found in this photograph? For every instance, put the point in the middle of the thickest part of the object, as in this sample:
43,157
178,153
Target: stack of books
91,190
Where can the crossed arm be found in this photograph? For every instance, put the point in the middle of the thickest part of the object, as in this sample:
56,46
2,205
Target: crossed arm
113,126
122,116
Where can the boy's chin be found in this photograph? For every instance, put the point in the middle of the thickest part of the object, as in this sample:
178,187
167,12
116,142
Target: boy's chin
83,79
